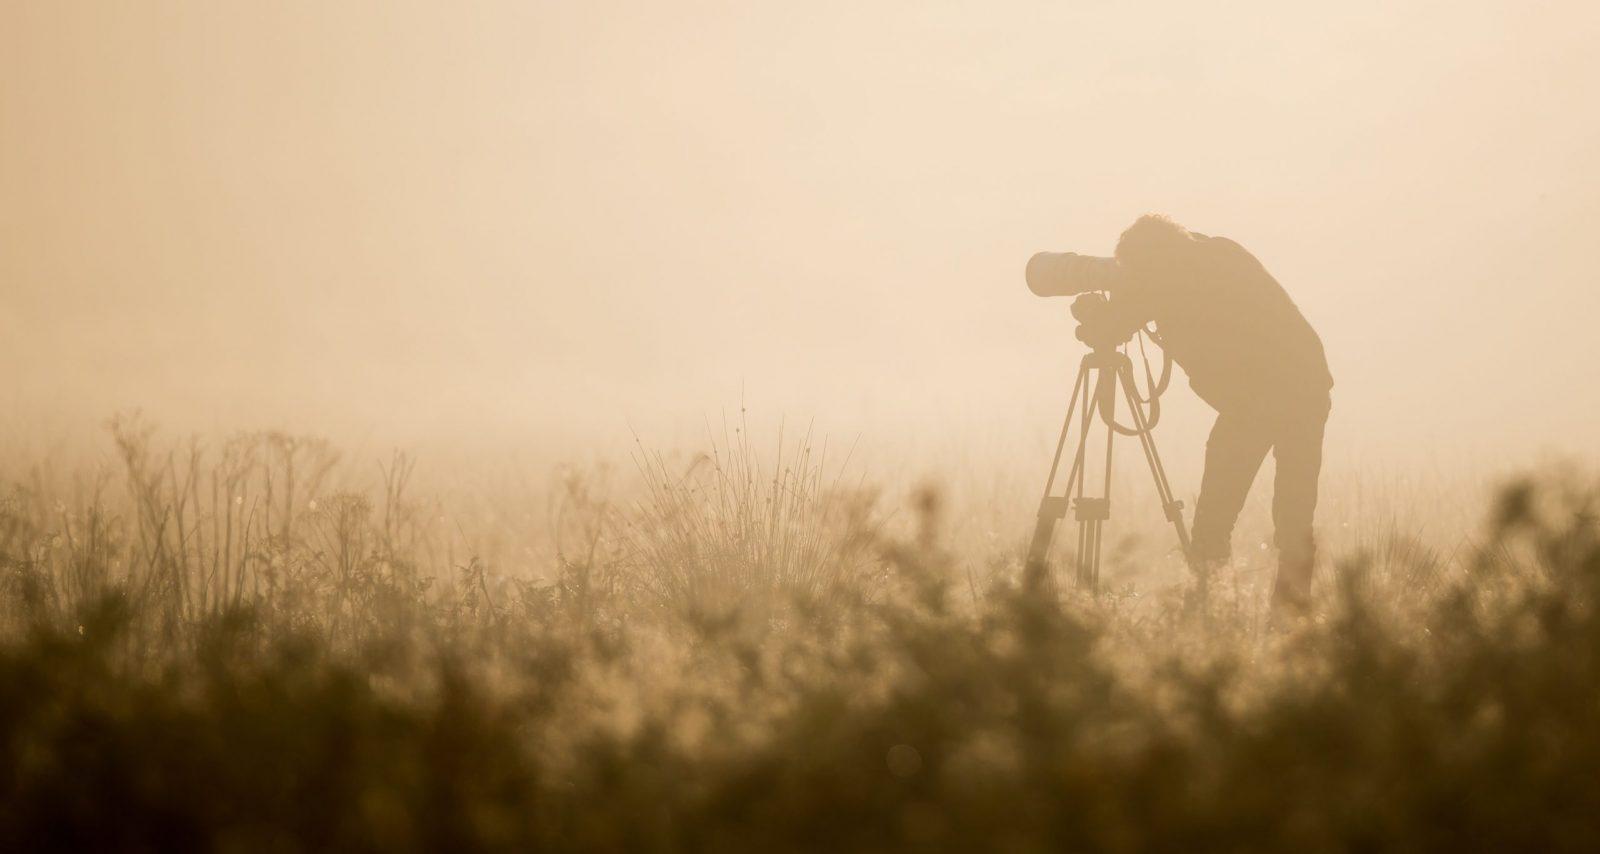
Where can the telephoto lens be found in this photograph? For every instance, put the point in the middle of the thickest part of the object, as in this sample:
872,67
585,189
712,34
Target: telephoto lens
1063,274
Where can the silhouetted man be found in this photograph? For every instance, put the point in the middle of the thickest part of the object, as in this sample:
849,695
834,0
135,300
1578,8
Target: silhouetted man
1252,356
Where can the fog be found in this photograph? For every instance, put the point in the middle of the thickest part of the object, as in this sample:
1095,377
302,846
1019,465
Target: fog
560,225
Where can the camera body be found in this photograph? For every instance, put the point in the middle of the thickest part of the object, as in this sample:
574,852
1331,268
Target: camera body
1097,325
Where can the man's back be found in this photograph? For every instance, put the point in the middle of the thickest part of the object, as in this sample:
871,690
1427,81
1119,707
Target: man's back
1243,342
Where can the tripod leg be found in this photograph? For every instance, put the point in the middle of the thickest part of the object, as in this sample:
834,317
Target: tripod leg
1052,508
1093,511
1080,561
1172,507
1089,563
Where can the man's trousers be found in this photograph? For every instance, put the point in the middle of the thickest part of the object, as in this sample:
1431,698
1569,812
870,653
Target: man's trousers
1238,444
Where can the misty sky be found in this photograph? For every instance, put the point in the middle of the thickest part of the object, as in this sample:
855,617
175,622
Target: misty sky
566,221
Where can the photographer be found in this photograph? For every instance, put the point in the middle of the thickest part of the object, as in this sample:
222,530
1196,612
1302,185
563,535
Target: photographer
1251,355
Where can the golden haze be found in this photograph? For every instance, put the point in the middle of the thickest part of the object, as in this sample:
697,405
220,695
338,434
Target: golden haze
555,223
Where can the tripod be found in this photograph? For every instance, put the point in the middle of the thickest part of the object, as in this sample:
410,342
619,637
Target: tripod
1103,374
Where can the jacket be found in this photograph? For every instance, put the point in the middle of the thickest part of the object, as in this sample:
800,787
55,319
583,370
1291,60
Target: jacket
1234,330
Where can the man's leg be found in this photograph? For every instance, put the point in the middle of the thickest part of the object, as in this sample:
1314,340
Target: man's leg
1298,452
1233,456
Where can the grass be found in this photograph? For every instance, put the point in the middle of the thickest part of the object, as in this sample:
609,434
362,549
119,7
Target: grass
729,534
257,648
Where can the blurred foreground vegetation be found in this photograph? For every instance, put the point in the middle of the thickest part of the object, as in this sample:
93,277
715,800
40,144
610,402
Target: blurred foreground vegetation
226,650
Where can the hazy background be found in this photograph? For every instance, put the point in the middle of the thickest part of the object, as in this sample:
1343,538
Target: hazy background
552,224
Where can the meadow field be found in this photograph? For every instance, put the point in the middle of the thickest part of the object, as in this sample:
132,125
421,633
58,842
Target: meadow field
263,644
619,426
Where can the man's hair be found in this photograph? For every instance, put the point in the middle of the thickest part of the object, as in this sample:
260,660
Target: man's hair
1152,237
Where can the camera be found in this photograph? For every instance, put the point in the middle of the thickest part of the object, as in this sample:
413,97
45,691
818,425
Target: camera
1064,274
1053,274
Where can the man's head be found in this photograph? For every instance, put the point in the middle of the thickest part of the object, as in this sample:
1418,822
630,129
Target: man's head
1154,245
